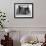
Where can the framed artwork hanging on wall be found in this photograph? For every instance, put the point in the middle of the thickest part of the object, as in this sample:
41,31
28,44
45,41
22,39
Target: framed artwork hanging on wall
23,10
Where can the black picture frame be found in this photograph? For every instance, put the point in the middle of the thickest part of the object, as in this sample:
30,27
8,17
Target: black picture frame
27,7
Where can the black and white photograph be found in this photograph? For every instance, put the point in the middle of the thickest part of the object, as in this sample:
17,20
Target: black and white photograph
23,9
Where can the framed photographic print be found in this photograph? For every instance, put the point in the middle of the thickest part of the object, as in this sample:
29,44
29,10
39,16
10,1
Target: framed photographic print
23,10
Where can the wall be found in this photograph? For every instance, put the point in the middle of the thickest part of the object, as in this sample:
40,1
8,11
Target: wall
25,25
39,13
